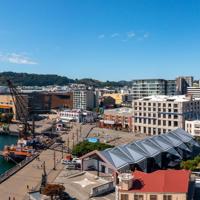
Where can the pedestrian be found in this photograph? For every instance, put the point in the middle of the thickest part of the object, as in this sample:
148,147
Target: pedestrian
9,198
27,187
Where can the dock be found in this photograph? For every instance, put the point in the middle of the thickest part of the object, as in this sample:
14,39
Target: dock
16,168
30,175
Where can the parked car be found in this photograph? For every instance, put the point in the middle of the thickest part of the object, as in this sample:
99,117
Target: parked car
70,167
66,162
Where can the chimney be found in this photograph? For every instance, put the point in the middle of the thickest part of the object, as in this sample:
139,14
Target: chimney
126,181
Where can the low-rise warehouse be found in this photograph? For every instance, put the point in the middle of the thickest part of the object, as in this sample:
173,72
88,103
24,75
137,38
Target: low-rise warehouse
152,153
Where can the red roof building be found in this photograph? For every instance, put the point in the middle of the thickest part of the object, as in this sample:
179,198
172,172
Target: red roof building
159,185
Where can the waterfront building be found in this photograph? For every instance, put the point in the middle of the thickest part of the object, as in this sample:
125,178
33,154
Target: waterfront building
160,114
193,127
84,99
8,105
119,118
149,154
158,185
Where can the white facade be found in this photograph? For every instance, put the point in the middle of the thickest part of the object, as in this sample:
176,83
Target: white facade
193,127
84,99
160,114
77,116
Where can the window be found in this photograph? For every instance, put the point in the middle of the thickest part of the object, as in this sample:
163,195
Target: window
153,197
138,197
124,196
167,197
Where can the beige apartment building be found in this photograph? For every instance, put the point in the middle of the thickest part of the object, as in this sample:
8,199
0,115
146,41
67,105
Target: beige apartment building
158,185
160,113
193,127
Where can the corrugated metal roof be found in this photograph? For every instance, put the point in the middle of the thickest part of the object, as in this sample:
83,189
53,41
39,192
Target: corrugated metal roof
138,151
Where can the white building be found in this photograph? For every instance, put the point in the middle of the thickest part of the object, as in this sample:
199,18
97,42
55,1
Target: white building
84,99
160,113
193,127
77,115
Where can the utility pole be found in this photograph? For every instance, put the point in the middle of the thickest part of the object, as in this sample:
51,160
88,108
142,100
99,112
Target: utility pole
54,160
68,144
62,151
73,139
77,138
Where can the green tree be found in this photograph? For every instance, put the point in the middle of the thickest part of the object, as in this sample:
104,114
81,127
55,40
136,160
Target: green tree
85,147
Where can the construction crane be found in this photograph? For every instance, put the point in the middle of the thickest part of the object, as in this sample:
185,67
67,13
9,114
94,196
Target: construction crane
22,110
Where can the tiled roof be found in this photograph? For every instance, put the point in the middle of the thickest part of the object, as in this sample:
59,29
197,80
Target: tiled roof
162,181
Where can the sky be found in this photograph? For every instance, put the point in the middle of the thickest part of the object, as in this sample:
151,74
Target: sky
101,39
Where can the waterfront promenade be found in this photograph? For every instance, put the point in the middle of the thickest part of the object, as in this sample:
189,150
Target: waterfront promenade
30,176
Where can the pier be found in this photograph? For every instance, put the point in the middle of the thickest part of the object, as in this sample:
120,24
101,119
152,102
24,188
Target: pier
29,175
16,168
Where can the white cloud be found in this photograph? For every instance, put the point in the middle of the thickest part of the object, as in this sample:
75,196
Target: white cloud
115,35
131,34
15,58
101,36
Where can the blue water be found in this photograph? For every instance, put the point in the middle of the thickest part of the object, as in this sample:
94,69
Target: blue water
6,140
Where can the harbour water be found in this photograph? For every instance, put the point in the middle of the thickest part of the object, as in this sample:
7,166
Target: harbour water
6,140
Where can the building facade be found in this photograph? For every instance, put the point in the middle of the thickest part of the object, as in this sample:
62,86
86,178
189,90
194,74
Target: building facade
159,185
8,105
84,99
193,127
193,91
119,119
77,116
182,83
160,114
148,87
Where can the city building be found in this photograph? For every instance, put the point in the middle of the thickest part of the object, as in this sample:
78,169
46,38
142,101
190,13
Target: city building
119,98
119,119
84,99
160,114
106,102
8,105
147,87
158,185
60,100
193,127
182,83
77,116
152,153
193,91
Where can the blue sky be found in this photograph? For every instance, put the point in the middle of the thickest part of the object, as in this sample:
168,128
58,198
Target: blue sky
101,39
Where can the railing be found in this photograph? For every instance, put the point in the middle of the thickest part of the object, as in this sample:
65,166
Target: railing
16,168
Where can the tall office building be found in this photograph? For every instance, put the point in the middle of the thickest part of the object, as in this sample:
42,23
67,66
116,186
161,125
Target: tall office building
147,87
182,83
84,99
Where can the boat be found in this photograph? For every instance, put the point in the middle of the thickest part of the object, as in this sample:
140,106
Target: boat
19,152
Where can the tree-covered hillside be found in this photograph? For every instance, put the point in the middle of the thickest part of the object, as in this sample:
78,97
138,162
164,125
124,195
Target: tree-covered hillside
25,79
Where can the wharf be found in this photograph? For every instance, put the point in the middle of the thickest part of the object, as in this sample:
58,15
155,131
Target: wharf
30,176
